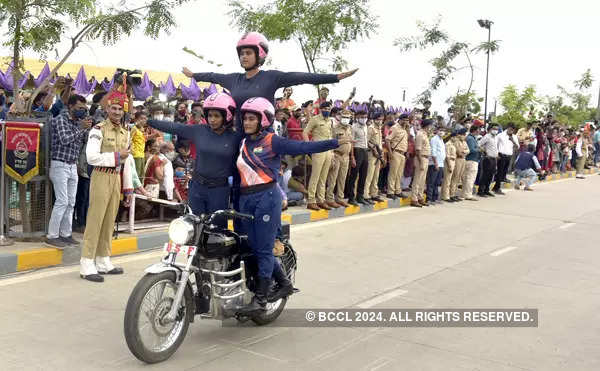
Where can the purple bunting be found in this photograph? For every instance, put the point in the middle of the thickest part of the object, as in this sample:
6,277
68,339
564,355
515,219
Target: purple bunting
82,85
42,76
210,90
6,79
107,85
191,92
168,88
338,104
144,90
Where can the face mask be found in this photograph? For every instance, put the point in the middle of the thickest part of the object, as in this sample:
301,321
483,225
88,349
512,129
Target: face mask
494,132
345,120
297,115
390,123
179,174
362,121
182,112
325,113
80,113
159,117
378,123
169,118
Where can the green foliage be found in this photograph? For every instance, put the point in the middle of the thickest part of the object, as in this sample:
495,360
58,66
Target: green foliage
463,103
517,104
433,36
321,27
578,111
585,82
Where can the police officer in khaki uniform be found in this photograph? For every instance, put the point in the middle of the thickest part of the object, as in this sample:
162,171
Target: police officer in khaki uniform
321,128
375,159
423,151
341,162
397,144
107,149
449,167
462,149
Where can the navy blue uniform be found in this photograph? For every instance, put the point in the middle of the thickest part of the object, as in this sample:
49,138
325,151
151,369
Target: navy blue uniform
215,162
258,163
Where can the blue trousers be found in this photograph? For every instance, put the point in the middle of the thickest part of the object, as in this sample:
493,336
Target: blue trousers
434,178
204,200
265,206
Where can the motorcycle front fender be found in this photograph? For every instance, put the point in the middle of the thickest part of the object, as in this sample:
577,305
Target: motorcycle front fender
162,267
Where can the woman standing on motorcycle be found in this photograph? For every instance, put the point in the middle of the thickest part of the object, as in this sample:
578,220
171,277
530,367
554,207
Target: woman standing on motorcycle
258,163
252,51
217,146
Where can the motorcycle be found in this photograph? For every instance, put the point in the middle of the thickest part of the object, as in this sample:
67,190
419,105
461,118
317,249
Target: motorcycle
214,279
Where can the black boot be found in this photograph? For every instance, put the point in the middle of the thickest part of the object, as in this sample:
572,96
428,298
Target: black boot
259,301
284,287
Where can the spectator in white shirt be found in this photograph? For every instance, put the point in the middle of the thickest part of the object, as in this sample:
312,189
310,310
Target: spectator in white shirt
168,184
506,146
489,146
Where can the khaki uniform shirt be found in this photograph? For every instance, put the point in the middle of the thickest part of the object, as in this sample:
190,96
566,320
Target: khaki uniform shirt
343,132
320,128
462,148
374,136
104,143
450,151
398,138
422,143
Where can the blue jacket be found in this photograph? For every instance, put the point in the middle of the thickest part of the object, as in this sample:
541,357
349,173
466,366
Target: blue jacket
473,149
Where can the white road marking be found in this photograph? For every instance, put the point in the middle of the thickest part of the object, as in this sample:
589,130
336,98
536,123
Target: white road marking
566,226
504,250
51,272
373,214
381,298
378,363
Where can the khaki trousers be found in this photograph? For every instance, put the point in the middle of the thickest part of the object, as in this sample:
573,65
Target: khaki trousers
448,172
371,189
418,186
397,162
468,179
105,194
459,168
321,162
337,176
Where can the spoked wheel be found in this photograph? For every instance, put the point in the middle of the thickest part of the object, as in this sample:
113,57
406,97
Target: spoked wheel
275,308
149,337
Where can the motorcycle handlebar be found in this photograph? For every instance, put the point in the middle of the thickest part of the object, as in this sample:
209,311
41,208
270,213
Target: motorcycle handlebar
231,213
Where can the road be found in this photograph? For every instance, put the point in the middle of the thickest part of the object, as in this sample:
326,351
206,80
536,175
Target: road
523,250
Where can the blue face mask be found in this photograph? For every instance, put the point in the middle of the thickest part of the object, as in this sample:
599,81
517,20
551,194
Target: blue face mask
80,113
325,113
179,174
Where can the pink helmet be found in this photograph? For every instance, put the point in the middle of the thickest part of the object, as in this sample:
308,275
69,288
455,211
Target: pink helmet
256,41
262,107
222,102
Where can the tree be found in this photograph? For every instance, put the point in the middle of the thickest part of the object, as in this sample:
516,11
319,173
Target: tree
40,25
517,104
433,36
321,27
579,111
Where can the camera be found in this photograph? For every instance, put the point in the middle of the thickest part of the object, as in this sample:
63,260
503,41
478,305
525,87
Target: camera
132,79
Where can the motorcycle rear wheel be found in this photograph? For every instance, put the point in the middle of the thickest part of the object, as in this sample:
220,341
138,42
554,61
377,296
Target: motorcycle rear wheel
274,309
140,337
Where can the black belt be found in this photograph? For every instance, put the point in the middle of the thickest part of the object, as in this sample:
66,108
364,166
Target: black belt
210,182
256,188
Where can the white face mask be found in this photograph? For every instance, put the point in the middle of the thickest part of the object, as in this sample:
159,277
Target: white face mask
171,155
494,132
345,120
159,117
362,121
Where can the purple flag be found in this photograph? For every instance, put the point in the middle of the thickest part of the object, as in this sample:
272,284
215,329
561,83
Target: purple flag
168,88
42,76
191,92
82,85
210,90
6,79
145,89
107,85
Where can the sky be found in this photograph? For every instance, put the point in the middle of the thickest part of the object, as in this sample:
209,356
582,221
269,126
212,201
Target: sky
544,43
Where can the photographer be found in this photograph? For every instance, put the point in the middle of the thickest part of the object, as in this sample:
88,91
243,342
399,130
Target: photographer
525,168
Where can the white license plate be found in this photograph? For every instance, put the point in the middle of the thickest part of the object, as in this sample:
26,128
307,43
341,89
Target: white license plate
174,248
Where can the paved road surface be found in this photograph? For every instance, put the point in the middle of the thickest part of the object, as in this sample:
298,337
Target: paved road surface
534,250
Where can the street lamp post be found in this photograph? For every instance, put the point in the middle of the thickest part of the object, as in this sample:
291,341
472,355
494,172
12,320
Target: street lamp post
484,23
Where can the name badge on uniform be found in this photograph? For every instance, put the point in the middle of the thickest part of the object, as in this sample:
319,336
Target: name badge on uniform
258,150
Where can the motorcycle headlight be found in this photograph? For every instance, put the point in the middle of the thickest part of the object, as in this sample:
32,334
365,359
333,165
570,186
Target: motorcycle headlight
181,231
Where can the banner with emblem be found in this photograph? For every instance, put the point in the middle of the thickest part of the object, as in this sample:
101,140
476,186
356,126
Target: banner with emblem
21,150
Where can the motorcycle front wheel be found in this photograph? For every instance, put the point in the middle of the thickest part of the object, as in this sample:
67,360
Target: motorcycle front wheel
148,337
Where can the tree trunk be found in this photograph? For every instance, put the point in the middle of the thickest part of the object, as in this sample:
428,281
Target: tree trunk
16,71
